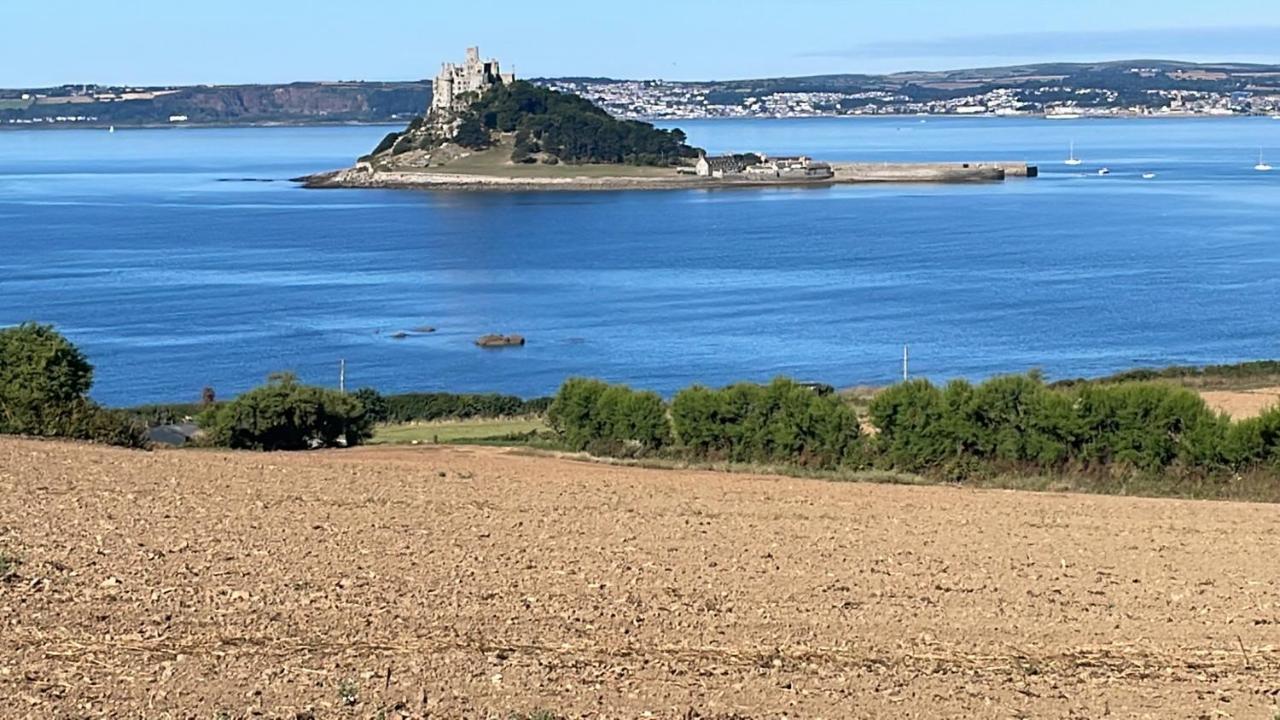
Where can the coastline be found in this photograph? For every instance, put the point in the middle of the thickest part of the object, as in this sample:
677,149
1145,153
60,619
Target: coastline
846,174
400,122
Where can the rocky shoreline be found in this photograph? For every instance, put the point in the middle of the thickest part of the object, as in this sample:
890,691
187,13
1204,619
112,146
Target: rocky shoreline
365,177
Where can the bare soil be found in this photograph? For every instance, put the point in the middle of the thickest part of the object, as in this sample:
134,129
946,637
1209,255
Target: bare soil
1242,404
474,582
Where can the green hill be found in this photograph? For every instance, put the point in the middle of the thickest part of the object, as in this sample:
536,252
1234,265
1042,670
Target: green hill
547,126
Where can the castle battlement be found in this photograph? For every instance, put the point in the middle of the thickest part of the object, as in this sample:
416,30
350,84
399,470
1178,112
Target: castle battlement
451,87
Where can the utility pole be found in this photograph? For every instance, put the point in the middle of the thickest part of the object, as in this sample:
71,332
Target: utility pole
905,358
342,376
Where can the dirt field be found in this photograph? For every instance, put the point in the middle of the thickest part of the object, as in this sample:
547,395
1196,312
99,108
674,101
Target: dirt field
1241,404
473,582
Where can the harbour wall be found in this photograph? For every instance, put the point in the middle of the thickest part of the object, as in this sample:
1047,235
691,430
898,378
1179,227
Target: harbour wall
932,172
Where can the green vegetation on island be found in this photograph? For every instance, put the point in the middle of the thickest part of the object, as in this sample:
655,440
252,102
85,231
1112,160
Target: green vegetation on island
542,126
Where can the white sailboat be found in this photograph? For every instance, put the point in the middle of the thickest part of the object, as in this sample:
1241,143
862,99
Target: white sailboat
1262,166
1071,156
111,129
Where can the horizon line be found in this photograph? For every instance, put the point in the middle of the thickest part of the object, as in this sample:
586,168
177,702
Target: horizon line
1113,61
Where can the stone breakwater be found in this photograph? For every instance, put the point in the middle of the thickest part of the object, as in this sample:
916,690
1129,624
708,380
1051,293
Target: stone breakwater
845,173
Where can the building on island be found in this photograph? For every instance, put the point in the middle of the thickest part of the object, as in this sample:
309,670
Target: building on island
763,168
457,85
790,168
720,165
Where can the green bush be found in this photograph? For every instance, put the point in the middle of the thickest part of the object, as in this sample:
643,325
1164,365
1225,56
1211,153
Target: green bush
1149,426
913,428
426,407
164,413
1015,418
628,418
42,376
573,415
1253,442
376,409
286,415
112,427
608,419
782,422
44,380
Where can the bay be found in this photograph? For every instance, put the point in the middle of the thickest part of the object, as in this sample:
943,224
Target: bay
168,260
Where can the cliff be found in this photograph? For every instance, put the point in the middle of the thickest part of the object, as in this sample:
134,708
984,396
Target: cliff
299,103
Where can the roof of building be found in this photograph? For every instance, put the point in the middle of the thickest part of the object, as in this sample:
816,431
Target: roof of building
726,163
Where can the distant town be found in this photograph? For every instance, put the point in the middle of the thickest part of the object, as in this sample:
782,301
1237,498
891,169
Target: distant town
1133,88
1126,88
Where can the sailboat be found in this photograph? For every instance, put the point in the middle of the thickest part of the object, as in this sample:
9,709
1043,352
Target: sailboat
111,129
1071,156
1262,166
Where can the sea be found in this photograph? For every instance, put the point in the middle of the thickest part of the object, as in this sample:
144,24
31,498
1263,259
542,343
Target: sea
182,258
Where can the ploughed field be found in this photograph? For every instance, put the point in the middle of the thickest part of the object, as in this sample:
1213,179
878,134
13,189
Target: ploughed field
478,582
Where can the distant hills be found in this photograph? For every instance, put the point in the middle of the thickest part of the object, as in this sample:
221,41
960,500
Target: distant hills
293,103
1117,87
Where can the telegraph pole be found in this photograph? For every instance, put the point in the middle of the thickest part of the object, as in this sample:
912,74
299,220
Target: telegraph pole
905,358
342,376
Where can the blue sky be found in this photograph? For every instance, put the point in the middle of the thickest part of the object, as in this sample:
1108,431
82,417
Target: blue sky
45,42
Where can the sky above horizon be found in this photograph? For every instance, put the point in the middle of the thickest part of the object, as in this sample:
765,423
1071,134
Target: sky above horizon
160,42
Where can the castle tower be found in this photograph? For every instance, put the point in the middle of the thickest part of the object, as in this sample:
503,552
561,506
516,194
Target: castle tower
456,82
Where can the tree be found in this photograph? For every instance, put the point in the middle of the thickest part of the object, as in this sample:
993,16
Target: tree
472,133
44,382
375,406
287,415
42,377
567,127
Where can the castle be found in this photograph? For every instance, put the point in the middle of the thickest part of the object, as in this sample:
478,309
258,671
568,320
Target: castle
457,85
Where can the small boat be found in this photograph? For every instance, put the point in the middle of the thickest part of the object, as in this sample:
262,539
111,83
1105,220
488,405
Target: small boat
1262,166
1148,175
1071,156
1104,171
1062,116
111,129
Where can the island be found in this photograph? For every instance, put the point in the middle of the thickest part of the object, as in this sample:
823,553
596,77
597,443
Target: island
486,130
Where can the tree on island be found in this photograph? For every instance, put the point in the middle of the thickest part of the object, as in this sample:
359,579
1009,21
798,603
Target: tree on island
560,127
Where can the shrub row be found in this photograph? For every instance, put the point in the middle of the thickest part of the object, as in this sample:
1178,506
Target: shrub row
780,422
1010,421
411,407
1017,419
777,423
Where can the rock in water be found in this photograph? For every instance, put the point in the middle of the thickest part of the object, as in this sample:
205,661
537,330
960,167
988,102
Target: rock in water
499,341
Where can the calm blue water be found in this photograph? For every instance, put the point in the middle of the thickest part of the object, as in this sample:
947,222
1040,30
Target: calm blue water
171,278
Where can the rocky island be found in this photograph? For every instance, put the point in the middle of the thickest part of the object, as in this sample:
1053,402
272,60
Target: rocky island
486,130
